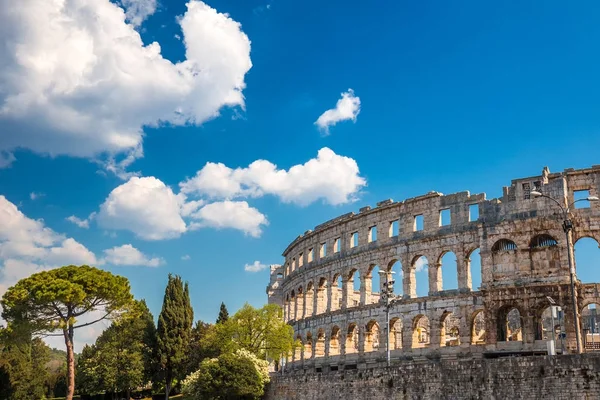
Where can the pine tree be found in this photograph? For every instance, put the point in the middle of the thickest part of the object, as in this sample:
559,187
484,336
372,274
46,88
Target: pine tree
223,314
173,332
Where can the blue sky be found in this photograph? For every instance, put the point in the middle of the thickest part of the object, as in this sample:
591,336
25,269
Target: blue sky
453,96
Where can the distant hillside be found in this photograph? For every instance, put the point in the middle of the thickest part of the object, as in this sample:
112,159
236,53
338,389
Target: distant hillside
58,359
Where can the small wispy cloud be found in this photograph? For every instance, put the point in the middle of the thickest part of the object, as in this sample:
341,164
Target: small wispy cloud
186,257
421,264
256,266
82,223
35,195
346,108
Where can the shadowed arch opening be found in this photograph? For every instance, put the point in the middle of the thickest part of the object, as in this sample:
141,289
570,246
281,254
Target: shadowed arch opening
298,348
450,330
549,325
308,353
421,331
320,343
334,341
309,299
353,289
395,334
372,336
478,332
504,245
510,325
336,292
352,339
299,303
322,296
541,241
587,259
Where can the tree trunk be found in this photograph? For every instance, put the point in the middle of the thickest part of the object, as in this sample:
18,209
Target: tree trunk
167,389
68,334
128,393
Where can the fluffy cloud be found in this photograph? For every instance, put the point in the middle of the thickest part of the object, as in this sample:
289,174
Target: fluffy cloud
145,206
330,177
129,255
346,108
256,266
28,246
76,78
230,214
186,257
137,11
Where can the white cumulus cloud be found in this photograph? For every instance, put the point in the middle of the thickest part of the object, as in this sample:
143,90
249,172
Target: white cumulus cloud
128,255
144,206
76,78
230,214
82,223
256,266
346,108
329,176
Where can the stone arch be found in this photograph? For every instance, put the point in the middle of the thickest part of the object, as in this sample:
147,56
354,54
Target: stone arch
590,326
371,336
395,266
396,333
504,260
541,241
322,295
337,290
372,283
353,288
585,251
308,346
351,339
320,343
309,299
298,349
510,324
334,341
446,271
286,307
300,303
449,329
421,331
544,327
419,275
478,332
504,245
473,269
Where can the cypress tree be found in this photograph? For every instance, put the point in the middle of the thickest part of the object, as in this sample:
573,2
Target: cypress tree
173,332
223,314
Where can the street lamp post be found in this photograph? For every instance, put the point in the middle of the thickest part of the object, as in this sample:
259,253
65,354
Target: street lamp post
388,298
568,228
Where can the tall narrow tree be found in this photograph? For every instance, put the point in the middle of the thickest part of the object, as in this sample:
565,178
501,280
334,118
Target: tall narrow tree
55,300
223,314
174,332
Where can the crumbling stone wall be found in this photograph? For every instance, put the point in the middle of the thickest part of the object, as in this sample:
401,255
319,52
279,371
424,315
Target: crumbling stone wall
524,259
568,377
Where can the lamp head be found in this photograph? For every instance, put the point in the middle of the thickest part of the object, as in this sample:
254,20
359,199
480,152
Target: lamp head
593,198
535,193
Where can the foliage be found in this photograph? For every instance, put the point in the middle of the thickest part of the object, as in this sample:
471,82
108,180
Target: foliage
223,314
203,344
53,300
174,332
119,360
230,376
260,331
23,373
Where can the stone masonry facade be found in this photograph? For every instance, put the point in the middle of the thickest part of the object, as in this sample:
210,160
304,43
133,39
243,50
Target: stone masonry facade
341,326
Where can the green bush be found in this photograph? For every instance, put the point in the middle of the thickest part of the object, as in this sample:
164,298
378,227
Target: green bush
228,377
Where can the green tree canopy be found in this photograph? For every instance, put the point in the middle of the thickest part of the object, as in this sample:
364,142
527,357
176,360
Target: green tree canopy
261,331
223,314
174,332
54,300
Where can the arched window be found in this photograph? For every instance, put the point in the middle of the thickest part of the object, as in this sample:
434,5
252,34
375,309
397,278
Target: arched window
540,241
372,336
478,335
395,334
334,341
320,343
352,339
421,331
504,245
450,334
308,347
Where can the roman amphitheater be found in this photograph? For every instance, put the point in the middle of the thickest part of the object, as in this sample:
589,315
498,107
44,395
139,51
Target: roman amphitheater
331,283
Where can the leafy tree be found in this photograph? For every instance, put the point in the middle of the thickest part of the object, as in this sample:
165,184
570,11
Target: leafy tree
173,332
203,344
51,301
260,331
23,365
223,314
228,377
117,362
